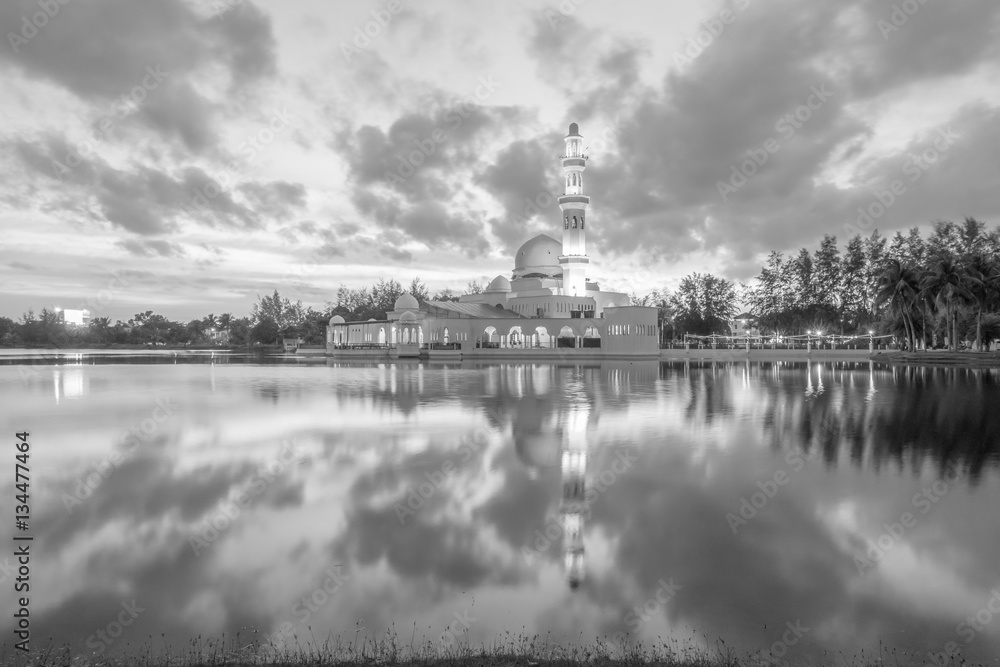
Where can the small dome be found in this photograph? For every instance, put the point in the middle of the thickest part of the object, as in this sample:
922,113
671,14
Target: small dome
574,130
498,284
406,302
336,319
407,317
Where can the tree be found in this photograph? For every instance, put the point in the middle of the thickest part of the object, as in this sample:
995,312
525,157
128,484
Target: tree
419,290
944,241
947,282
972,238
265,331
801,282
704,304
983,280
827,273
445,295
898,288
282,312
875,264
475,287
852,282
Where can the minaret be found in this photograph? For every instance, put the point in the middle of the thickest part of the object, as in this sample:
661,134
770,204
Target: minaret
574,205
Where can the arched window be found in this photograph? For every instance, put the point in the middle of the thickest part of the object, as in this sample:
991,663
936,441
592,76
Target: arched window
575,223
566,222
581,221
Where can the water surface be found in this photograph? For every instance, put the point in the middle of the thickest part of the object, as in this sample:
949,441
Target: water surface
457,502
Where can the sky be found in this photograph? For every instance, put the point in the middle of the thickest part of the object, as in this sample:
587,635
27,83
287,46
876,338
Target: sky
187,157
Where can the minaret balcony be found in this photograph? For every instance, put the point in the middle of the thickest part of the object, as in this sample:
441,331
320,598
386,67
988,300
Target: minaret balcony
574,160
567,200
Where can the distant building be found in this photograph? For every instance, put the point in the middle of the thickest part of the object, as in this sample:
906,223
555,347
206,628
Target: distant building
71,316
217,335
744,324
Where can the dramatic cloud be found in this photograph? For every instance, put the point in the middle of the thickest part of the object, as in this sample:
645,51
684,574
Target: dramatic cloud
716,133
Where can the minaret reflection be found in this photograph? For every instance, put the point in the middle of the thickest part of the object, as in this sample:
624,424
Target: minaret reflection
552,431
573,507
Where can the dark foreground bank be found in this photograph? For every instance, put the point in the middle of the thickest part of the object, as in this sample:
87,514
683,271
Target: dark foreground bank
517,651
938,358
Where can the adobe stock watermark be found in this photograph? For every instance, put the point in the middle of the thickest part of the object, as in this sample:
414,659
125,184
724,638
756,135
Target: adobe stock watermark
914,167
129,442
317,258
790,637
900,16
565,9
645,612
749,508
461,624
220,7
303,609
786,127
248,149
968,630
39,19
925,501
231,509
106,636
381,18
122,107
120,280
417,495
707,34
426,147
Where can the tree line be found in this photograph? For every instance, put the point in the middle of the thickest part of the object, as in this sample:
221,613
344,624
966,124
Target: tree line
942,290
931,292
271,318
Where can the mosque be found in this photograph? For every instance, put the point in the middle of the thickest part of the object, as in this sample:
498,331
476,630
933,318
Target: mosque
547,304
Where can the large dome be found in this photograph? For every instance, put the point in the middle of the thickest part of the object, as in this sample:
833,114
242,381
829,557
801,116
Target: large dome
539,255
406,302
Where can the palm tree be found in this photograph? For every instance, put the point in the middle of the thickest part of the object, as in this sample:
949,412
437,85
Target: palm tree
947,281
984,286
898,286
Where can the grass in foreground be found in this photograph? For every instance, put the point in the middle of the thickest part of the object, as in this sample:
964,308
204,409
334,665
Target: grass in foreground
513,650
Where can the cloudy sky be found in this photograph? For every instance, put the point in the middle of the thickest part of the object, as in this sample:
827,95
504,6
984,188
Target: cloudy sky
187,156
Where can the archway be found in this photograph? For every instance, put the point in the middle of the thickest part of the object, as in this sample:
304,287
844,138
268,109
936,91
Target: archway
591,337
515,338
542,338
567,338
381,336
446,335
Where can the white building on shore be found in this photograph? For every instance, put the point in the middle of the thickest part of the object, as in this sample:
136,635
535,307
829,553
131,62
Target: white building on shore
548,303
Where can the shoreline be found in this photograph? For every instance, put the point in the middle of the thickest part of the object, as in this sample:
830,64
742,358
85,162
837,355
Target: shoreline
930,358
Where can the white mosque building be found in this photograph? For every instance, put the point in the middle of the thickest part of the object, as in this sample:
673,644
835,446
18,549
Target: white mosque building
548,303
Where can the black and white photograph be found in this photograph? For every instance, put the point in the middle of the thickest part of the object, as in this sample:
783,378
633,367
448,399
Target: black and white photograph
521,333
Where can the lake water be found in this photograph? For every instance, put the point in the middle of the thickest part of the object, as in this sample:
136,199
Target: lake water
799,509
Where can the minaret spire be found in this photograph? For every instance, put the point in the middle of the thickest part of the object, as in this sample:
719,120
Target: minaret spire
573,204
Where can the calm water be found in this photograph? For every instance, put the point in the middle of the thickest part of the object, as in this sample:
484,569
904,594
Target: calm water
697,502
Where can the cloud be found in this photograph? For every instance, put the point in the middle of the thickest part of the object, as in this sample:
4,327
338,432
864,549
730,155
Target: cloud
151,248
